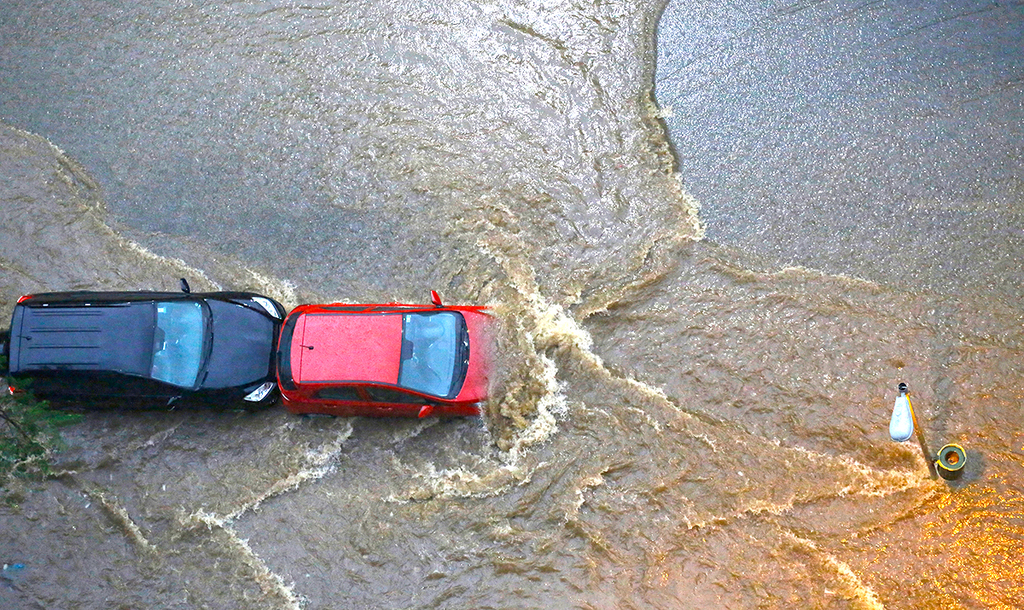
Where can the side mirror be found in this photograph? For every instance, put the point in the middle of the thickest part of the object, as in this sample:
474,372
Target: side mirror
435,298
184,286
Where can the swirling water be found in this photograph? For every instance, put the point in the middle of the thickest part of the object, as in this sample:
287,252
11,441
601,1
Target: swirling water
678,423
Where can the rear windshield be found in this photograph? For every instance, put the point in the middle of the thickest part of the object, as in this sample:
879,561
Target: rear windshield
434,352
178,342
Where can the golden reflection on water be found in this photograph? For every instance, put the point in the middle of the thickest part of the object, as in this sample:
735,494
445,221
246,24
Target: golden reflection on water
979,528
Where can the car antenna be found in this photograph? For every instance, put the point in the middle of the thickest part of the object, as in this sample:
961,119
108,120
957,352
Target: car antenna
184,286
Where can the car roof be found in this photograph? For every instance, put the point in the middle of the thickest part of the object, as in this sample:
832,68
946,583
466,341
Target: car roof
94,338
91,297
338,347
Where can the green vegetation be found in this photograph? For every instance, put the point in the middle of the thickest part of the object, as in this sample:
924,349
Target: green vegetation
28,434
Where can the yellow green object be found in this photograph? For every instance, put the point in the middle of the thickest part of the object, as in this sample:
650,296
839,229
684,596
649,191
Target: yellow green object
951,462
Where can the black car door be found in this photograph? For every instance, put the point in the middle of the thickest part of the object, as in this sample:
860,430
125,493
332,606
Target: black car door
101,387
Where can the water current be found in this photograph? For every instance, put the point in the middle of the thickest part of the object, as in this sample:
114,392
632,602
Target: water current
693,402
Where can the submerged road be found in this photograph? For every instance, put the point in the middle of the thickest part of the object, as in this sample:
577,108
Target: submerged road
883,140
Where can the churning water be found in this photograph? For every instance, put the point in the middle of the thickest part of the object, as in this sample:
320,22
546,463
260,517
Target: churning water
679,423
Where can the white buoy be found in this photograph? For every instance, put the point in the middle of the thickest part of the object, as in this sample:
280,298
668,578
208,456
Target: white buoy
901,425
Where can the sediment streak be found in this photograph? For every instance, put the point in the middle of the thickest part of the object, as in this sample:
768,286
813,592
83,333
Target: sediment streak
319,462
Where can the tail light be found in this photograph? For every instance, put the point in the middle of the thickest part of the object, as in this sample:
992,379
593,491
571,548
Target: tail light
27,296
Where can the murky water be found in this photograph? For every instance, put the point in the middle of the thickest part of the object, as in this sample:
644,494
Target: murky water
679,423
877,139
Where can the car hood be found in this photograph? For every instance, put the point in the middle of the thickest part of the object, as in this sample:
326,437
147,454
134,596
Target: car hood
243,345
481,356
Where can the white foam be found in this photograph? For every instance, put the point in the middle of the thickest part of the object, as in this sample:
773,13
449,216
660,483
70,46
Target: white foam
282,291
121,516
319,462
269,582
854,587
181,267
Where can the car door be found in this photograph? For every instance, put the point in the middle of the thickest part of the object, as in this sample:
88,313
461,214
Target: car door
54,386
394,401
99,387
148,392
344,400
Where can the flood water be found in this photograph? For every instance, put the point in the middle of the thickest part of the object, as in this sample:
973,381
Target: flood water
716,238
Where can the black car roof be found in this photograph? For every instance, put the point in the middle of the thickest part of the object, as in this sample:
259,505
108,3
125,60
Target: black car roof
102,337
88,297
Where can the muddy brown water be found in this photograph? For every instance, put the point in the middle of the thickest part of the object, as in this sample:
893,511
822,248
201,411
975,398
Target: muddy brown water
680,421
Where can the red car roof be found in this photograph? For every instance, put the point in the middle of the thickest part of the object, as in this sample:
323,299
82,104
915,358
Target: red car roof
347,347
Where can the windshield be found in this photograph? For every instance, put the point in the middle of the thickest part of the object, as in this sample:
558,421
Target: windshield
431,352
178,343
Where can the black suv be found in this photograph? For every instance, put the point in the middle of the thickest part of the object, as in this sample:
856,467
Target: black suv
146,348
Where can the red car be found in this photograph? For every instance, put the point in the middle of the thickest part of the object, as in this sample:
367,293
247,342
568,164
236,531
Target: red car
389,359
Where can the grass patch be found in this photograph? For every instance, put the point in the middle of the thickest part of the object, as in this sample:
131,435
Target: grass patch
29,435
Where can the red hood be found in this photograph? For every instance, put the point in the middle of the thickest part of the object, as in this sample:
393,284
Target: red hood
481,356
